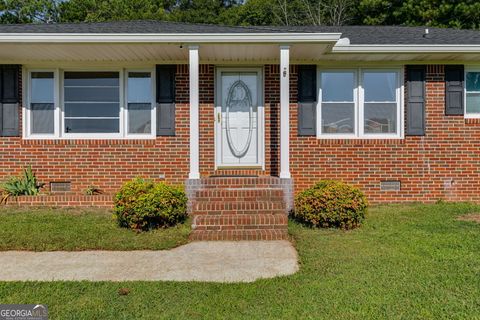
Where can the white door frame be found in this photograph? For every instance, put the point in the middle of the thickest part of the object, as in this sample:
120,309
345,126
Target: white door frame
261,118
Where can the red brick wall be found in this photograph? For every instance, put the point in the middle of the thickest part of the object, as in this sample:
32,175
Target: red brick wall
444,164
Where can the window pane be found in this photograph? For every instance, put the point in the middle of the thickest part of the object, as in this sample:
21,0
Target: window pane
473,103
380,86
139,88
93,109
92,125
139,118
90,96
338,118
473,81
92,79
42,87
42,118
107,94
380,118
337,86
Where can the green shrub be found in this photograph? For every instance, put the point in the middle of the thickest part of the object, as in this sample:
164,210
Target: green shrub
24,185
143,205
331,204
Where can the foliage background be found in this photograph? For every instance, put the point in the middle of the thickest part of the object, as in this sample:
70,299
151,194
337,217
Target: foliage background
435,13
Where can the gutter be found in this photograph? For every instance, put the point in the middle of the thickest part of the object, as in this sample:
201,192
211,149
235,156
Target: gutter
194,38
408,48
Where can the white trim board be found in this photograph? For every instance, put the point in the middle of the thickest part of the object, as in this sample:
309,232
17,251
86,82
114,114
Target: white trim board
193,38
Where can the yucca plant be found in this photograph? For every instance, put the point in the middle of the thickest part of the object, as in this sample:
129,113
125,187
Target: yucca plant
24,185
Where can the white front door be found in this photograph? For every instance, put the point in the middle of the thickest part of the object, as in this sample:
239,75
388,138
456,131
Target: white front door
239,118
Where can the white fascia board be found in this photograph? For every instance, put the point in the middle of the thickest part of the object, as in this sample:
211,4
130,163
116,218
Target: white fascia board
459,48
169,38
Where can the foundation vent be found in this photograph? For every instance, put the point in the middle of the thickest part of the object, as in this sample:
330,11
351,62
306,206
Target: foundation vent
64,186
391,185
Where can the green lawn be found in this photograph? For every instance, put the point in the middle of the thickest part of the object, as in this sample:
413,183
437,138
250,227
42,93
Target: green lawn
43,229
406,262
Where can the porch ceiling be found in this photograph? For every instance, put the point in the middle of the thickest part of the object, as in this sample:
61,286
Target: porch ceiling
30,53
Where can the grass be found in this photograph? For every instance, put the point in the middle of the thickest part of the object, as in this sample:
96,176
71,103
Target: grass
406,262
41,229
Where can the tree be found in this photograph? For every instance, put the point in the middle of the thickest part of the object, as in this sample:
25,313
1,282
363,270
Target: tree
26,11
329,12
438,13
107,10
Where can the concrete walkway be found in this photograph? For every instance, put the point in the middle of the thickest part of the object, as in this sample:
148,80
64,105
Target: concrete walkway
217,261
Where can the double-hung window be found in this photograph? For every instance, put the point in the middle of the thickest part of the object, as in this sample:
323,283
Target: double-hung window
42,103
360,103
91,104
472,88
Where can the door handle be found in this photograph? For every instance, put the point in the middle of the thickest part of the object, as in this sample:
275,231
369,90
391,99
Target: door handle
219,117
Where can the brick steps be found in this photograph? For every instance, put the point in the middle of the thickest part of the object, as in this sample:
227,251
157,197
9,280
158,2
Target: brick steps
239,208
235,221
240,194
236,235
240,182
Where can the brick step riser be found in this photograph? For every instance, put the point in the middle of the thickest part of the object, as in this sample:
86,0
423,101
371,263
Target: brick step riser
239,181
236,227
245,186
239,199
239,193
237,235
236,220
242,205
239,212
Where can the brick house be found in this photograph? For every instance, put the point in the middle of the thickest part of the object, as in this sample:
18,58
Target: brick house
254,113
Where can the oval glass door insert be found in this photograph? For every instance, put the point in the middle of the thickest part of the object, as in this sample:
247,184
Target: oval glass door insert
239,99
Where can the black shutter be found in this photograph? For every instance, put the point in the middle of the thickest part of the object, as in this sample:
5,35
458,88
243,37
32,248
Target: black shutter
307,83
9,99
166,83
454,89
10,84
416,100
166,100
307,100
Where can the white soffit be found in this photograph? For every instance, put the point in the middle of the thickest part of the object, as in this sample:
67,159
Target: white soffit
26,53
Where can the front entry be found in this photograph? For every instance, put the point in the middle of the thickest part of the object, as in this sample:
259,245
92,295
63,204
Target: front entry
239,118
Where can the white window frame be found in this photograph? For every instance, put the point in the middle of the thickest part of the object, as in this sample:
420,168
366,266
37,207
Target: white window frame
322,135
59,105
469,115
153,113
27,112
359,99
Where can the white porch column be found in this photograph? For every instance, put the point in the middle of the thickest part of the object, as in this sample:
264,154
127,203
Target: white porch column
285,112
194,105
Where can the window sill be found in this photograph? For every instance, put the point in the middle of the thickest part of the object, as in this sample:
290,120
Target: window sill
58,141
360,141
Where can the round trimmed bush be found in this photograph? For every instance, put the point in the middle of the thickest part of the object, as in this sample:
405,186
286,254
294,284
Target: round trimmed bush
331,204
143,205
